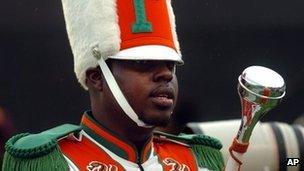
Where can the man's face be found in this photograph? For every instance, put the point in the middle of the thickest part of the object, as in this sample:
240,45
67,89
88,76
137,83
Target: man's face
150,87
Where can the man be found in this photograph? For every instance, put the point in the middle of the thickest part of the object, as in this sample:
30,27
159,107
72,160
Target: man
125,54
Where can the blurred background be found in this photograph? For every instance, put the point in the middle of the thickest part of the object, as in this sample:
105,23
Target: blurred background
219,39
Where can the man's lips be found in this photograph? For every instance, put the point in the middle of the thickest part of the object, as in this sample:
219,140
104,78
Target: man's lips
163,97
162,102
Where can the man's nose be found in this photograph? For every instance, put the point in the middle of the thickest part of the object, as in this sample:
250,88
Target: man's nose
163,73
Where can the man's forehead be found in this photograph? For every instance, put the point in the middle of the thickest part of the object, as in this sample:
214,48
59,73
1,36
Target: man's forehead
143,62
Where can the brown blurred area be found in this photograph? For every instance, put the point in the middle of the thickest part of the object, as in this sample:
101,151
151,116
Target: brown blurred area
6,130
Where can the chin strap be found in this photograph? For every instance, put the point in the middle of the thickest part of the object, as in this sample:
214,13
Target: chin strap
116,91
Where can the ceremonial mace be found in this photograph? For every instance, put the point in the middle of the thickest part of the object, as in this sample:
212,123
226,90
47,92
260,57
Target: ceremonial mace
260,89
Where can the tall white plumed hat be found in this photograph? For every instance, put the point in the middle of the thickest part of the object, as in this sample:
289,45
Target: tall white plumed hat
119,29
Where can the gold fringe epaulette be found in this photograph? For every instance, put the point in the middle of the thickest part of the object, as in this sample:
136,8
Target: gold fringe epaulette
205,148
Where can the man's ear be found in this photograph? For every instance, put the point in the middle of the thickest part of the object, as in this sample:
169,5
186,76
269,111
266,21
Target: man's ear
94,79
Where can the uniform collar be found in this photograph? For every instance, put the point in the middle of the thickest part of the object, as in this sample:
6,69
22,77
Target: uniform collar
114,143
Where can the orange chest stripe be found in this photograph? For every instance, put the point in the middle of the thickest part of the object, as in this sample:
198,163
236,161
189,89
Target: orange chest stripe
84,152
146,151
110,138
176,157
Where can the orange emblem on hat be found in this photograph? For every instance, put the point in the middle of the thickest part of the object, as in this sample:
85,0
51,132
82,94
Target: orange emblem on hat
144,22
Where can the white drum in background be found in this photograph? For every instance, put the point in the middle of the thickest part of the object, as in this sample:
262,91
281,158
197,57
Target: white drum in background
271,143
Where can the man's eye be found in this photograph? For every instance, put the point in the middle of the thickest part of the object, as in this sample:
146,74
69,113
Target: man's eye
142,61
143,65
171,66
148,65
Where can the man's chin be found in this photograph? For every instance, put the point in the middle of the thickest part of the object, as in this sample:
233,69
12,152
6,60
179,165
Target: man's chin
156,121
